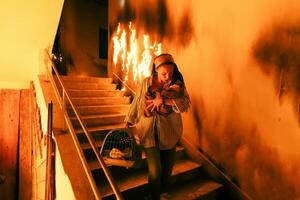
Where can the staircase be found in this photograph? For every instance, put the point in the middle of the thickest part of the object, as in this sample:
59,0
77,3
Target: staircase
103,108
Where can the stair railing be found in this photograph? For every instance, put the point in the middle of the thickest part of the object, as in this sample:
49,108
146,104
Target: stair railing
62,100
124,83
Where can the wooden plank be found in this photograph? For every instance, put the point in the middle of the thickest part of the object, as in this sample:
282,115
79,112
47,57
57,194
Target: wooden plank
36,122
25,148
33,140
9,121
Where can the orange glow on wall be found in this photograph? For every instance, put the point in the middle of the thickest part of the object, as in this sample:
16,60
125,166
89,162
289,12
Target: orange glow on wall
27,28
237,113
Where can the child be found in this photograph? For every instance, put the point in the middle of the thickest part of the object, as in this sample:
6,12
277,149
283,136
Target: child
170,90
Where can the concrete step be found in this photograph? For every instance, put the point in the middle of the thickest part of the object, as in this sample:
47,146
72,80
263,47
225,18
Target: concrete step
198,189
85,146
98,138
95,93
93,101
101,128
94,165
89,86
134,182
100,109
86,79
94,120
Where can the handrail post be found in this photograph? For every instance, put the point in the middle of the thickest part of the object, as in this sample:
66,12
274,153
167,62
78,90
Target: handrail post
48,66
64,109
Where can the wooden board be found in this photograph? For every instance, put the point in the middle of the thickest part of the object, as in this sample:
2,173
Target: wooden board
9,121
25,148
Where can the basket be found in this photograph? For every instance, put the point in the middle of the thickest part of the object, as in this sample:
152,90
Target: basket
120,149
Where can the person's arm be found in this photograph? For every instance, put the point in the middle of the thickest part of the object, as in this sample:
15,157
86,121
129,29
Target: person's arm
155,103
180,104
168,102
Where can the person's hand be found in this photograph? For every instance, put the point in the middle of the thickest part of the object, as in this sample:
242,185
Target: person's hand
128,124
155,103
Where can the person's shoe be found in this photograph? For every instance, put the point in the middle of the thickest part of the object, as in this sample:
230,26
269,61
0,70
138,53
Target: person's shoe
165,196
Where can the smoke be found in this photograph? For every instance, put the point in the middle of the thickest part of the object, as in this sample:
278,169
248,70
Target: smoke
153,17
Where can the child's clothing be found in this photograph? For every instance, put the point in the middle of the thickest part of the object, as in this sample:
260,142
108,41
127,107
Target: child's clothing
170,90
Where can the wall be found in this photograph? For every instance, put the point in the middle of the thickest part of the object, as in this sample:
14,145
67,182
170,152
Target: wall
23,37
80,24
27,28
240,60
241,113
9,139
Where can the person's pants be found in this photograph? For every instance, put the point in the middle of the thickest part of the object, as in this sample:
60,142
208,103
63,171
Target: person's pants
160,165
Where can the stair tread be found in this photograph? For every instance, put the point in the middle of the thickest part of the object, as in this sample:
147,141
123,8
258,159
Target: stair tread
83,77
93,164
96,100
94,108
114,97
100,109
95,86
94,90
89,85
103,106
95,93
86,117
86,145
194,189
102,128
129,181
86,78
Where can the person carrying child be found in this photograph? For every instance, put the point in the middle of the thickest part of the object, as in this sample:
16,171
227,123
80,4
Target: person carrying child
156,112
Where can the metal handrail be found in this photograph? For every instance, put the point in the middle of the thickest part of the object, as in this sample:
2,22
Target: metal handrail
124,83
66,97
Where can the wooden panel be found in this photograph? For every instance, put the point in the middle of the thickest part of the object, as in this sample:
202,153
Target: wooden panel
9,120
25,148
36,126
38,164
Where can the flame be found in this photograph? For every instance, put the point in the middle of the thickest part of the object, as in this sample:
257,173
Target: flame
135,58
